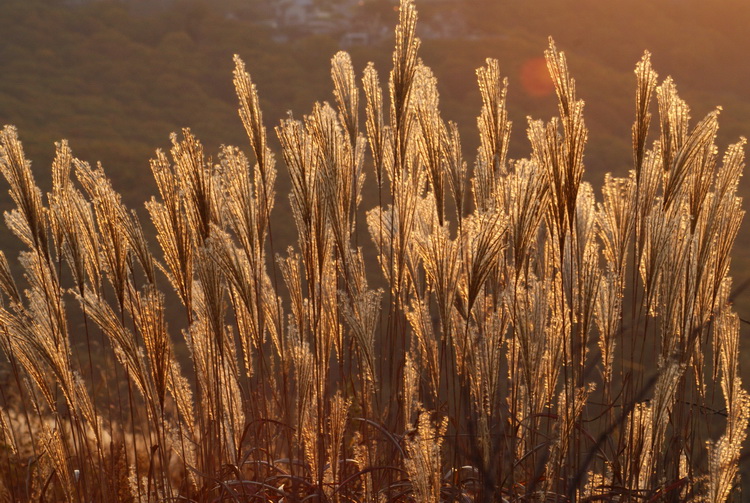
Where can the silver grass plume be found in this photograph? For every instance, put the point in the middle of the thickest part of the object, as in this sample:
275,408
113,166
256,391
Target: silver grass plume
494,133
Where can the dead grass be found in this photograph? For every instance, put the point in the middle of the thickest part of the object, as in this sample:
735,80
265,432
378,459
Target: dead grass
535,342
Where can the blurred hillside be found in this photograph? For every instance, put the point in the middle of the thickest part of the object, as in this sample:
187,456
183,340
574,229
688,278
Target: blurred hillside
117,77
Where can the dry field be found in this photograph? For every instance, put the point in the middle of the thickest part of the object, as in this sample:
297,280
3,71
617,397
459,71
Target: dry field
534,340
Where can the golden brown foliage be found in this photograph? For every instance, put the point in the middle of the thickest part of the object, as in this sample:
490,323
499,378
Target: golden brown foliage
530,343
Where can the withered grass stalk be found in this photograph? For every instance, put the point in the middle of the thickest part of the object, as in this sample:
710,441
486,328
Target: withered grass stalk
532,341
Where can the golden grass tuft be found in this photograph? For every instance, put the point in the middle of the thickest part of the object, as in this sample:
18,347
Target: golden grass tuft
530,341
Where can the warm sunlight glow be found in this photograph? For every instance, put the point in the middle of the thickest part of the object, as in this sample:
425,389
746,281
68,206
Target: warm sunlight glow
535,79
406,284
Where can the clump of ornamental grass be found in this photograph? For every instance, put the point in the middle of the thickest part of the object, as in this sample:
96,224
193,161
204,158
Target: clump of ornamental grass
535,340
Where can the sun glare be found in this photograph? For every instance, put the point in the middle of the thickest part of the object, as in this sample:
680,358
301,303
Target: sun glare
535,79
